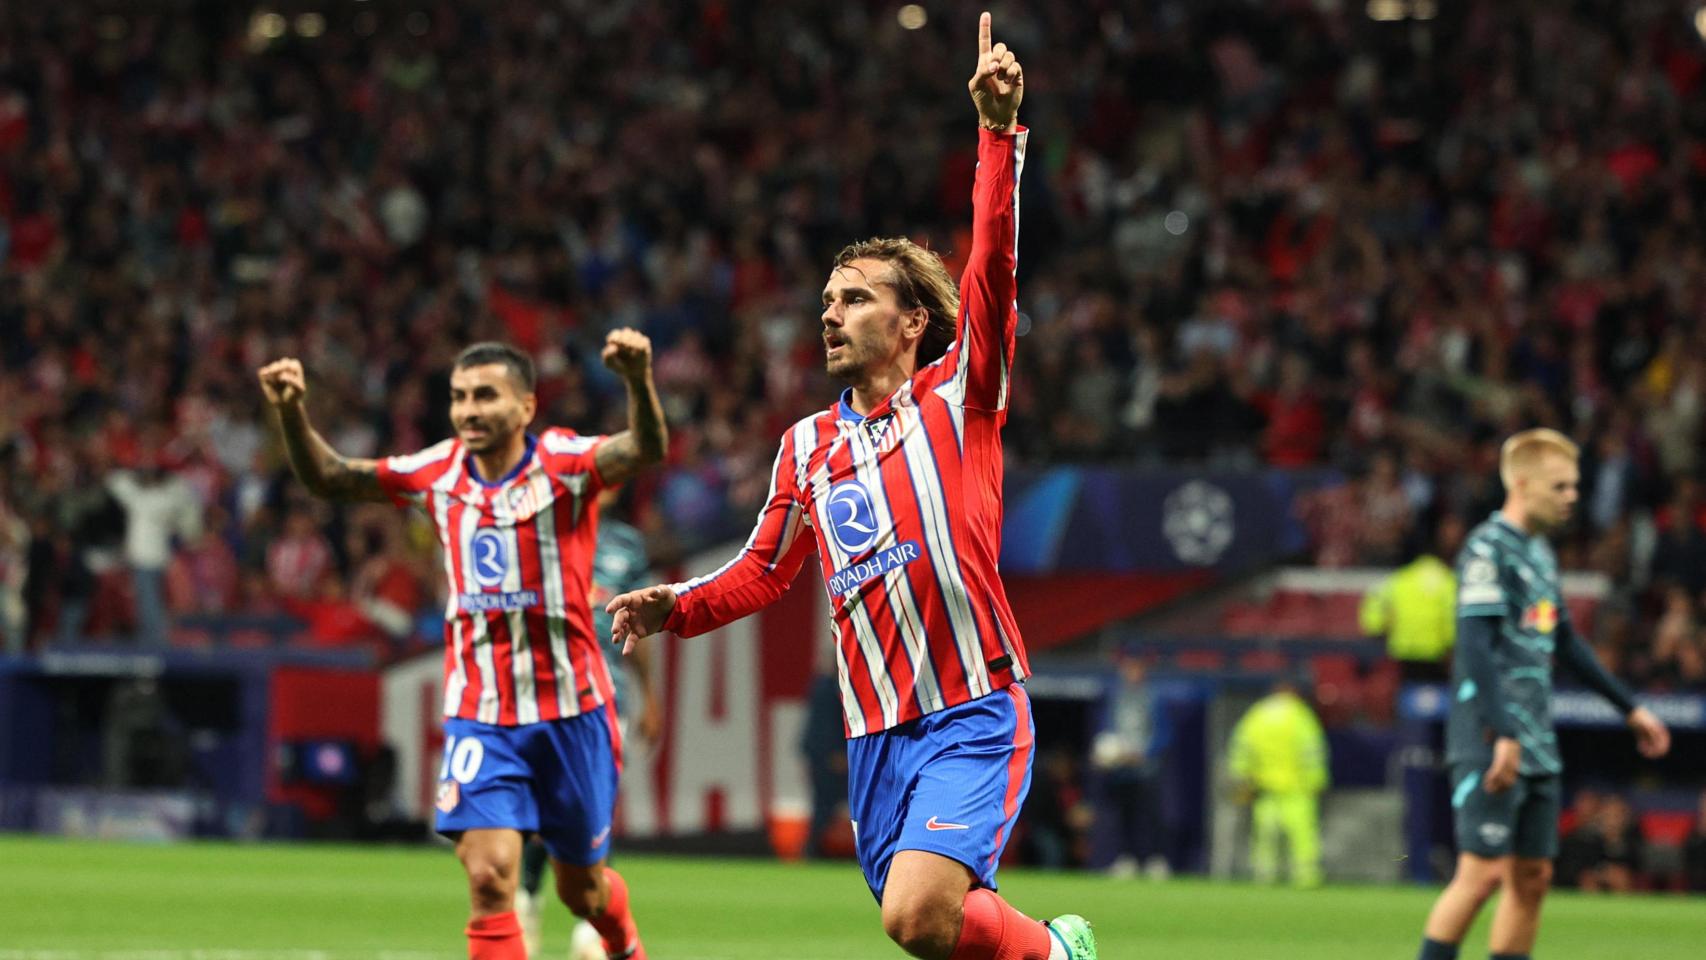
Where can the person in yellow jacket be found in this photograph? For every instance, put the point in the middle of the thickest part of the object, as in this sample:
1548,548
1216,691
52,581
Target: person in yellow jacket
1279,761
1416,608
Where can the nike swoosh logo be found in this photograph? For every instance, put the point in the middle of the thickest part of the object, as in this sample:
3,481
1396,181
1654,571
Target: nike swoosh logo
935,824
596,841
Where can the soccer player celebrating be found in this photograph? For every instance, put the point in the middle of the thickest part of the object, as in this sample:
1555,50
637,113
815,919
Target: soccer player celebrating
899,486
619,564
1500,741
530,741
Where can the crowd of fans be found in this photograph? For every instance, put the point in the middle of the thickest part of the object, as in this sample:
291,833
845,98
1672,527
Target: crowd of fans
1278,235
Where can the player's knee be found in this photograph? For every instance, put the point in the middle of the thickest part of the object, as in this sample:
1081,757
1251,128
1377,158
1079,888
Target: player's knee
1479,883
581,892
1531,879
583,902
490,883
921,926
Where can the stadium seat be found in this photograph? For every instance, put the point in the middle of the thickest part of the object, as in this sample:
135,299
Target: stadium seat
1199,660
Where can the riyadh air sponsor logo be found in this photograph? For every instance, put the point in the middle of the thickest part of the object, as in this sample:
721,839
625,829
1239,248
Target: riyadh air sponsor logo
490,550
482,602
850,577
935,824
850,517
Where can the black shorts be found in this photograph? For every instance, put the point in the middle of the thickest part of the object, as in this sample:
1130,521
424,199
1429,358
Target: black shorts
1522,819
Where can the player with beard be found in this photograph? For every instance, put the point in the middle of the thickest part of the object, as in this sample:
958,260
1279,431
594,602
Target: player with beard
898,485
531,743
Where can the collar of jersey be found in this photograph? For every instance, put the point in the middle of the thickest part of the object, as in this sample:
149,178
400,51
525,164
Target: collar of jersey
844,407
515,471
1499,516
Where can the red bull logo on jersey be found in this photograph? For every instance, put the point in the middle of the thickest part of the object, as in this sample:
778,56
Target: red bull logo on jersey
1540,617
849,578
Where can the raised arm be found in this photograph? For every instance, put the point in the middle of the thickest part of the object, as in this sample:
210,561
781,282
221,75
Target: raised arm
752,580
321,469
628,354
988,315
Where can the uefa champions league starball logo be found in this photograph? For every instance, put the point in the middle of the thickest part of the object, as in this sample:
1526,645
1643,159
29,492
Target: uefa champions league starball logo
1197,520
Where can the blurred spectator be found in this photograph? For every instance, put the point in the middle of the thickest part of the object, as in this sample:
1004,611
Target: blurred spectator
1416,607
1128,752
1057,817
14,572
299,560
203,577
1619,849
823,744
1581,849
1681,554
159,508
1278,761
1694,852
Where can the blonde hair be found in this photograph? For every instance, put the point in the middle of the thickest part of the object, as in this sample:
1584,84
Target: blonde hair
1523,450
919,279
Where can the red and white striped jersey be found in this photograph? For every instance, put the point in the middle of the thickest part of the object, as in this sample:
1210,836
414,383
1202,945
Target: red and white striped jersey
904,506
519,646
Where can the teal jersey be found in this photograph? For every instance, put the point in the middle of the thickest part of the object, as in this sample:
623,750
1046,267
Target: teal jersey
619,565
1510,578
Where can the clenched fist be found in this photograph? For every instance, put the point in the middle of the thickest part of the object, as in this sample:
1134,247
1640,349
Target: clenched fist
283,382
628,353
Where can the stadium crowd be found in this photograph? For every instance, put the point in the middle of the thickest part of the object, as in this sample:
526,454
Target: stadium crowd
1278,235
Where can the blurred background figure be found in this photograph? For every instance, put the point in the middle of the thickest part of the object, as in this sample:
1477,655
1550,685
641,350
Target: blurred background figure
1057,816
159,509
823,744
1278,760
1415,608
1694,851
14,573
1128,753
1615,854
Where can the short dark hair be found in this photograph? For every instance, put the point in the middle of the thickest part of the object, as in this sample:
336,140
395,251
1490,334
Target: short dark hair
919,279
481,354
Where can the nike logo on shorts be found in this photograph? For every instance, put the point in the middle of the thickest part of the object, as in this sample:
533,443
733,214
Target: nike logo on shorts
935,824
602,834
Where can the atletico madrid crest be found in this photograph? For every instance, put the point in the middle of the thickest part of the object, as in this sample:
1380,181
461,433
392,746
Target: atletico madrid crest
449,795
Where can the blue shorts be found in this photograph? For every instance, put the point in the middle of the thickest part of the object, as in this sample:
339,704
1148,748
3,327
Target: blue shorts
949,783
556,778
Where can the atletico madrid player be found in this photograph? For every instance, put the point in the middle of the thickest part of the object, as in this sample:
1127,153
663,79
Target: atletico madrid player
531,744
898,486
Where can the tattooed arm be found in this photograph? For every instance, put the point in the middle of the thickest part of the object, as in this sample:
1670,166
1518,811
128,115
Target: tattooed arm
628,353
321,469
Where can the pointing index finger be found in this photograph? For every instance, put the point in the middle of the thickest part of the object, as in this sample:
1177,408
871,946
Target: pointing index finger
983,33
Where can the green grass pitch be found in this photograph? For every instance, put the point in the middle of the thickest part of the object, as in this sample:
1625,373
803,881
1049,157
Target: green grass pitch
81,900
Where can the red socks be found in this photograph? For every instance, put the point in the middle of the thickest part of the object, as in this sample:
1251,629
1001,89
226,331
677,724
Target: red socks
496,938
616,924
992,930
